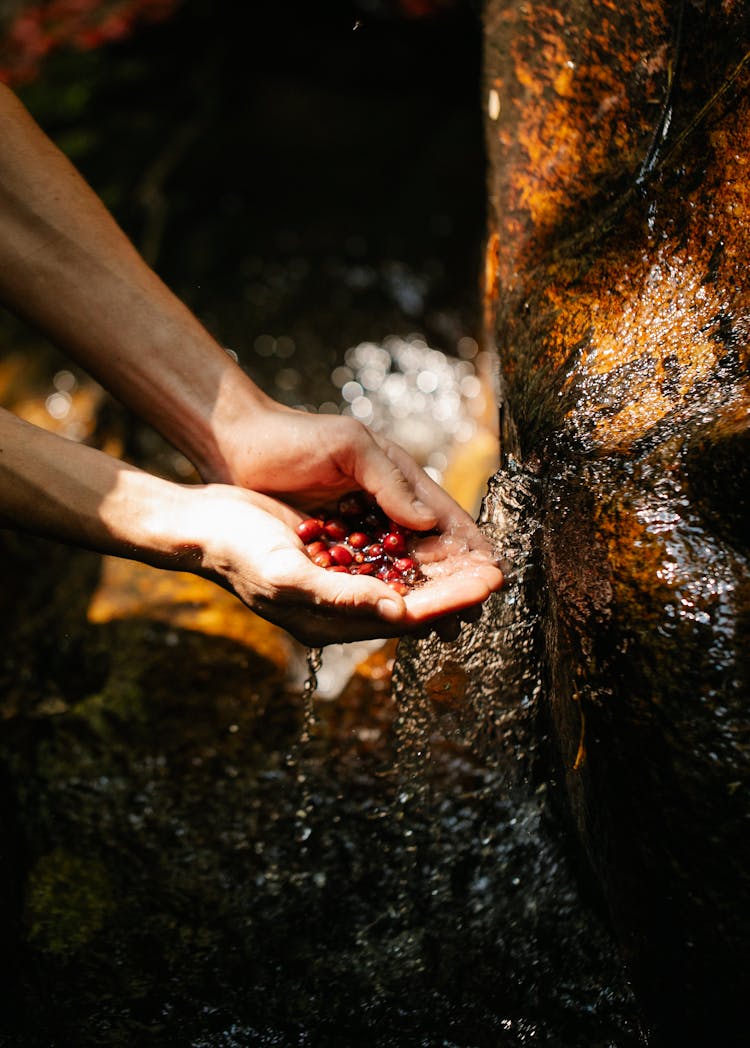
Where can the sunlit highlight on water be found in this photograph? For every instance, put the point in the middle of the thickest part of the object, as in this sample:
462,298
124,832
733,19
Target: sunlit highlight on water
419,396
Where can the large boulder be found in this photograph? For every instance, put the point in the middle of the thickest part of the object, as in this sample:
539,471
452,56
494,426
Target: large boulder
619,301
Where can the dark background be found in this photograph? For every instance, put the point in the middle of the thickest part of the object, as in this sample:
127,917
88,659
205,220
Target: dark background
308,169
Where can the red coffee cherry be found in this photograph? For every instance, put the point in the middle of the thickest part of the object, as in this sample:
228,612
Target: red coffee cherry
335,529
358,540
394,543
310,529
323,559
315,547
404,565
374,552
340,555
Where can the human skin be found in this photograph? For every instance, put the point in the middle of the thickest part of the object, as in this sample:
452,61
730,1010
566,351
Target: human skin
67,268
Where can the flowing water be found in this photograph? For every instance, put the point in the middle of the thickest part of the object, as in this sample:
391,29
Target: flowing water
297,758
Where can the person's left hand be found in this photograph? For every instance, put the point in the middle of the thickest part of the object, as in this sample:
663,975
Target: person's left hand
247,543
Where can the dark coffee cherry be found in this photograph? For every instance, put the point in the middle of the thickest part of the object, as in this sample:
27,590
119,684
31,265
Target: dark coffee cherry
354,505
335,529
373,522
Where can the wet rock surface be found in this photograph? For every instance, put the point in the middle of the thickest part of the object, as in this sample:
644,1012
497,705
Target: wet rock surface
619,298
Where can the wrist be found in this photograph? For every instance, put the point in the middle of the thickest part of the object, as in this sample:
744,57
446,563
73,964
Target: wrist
239,410
147,518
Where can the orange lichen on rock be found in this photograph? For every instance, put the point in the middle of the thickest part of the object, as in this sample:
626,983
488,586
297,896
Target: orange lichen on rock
491,252
577,112
644,311
447,687
635,557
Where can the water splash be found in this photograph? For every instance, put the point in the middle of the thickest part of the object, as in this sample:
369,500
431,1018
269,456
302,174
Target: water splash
298,756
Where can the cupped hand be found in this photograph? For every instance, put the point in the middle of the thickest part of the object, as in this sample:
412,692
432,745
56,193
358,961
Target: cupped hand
309,460
246,542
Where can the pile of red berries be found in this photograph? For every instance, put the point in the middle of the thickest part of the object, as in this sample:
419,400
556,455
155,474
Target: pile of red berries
361,540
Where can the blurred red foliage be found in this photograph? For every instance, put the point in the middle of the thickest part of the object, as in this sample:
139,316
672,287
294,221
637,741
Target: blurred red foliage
31,31
415,9
424,8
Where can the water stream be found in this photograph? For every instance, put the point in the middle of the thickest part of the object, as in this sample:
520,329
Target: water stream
298,756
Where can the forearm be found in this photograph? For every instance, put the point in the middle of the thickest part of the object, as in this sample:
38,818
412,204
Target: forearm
58,489
67,268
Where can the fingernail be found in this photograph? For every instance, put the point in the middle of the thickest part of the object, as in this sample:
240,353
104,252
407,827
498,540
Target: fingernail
388,609
422,510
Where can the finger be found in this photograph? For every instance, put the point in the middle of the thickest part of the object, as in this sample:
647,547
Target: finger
452,592
374,470
452,521
361,595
